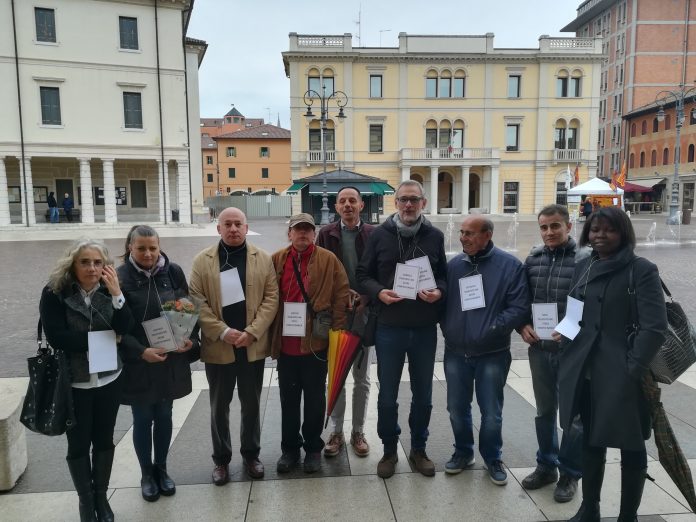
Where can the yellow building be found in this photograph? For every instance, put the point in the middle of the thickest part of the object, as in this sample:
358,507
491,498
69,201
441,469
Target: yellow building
480,127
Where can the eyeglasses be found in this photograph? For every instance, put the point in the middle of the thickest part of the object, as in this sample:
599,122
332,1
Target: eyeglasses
413,200
86,263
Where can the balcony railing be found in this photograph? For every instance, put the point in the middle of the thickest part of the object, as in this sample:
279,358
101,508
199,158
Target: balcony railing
567,155
315,156
446,153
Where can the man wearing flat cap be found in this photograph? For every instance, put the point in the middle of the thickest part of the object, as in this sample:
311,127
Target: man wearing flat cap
314,294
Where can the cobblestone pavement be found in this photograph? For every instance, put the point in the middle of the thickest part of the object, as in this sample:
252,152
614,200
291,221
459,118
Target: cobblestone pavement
26,265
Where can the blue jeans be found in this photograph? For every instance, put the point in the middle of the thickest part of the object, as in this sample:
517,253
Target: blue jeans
488,374
392,345
145,416
54,214
568,458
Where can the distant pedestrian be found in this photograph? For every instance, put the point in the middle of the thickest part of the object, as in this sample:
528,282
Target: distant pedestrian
68,205
53,207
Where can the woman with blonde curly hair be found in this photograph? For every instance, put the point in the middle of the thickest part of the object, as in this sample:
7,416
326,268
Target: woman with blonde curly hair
83,296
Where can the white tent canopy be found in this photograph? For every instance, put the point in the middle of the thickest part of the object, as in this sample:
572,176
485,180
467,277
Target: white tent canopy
594,187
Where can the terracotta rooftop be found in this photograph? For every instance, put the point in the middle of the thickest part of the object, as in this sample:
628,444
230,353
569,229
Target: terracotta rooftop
267,131
208,143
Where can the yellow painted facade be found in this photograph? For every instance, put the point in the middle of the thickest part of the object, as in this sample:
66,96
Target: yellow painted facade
447,109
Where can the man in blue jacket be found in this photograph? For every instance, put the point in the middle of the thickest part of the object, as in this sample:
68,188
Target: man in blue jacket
486,299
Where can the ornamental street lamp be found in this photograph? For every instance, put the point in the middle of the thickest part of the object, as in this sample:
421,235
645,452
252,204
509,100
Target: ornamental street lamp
341,99
679,97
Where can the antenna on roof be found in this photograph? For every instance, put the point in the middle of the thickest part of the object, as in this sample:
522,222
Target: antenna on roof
278,124
358,22
269,114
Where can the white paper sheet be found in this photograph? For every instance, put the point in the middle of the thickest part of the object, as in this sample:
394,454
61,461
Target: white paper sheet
426,279
471,292
102,351
231,287
545,318
159,334
294,319
406,280
569,327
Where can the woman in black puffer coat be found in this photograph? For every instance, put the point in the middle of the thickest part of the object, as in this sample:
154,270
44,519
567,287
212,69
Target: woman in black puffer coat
155,379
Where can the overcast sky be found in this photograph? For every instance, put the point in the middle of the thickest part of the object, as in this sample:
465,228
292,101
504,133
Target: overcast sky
243,65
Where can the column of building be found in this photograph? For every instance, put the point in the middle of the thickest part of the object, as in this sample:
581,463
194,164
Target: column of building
28,212
110,213
433,190
4,196
495,181
465,190
87,204
184,190
161,190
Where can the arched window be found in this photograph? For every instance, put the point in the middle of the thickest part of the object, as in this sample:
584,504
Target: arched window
690,155
575,87
444,89
562,84
431,84
559,139
656,125
444,134
642,159
643,127
459,84
633,130
566,134
431,134
573,134
445,84
458,134
653,158
631,161
668,121
665,156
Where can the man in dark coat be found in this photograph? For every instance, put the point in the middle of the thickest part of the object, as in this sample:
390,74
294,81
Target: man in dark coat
406,326
68,205
549,272
53,207
346,238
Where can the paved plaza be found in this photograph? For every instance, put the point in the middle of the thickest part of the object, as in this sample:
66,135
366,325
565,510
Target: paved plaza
346,488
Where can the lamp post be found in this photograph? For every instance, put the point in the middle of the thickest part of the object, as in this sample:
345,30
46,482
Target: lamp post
679,97
341,99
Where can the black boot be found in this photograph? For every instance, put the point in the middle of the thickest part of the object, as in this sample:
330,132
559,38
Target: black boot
632,483
81,473
166,485
592,479
148,485
101,473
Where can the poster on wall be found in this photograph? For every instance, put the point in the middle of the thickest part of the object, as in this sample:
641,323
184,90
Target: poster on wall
14,195
40,194
98,195
121,196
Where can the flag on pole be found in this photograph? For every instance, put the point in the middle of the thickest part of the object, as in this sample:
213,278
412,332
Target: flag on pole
621,180
612,183
577,174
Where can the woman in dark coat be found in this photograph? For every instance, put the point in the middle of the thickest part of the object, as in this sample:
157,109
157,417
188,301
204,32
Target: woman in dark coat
153,379
83,296
600,370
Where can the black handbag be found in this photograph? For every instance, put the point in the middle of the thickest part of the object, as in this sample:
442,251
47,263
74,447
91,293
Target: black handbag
678,351
48,404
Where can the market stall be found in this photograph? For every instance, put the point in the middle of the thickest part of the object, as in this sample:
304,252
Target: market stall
599,192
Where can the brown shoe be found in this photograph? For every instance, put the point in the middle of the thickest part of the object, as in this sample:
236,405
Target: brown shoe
336,441
360,446
221,475
254,468
421,462
387,465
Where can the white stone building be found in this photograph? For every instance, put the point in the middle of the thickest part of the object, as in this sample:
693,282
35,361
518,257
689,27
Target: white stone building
99,100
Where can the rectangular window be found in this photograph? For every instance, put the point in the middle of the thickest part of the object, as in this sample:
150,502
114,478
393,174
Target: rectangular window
561,87
575,87
431,87
510,197
314,83
133,110
138,190
559,138
231,173
444,138
458,88
375,86
315,139
375,138
512,137
128,32
430,138
209,177
514,86
264,152
444,88
264,173
231,152
45,20
209,160
572,138
561,193
50,105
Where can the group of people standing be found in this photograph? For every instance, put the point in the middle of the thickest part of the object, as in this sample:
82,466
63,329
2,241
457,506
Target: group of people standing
254,305
54,214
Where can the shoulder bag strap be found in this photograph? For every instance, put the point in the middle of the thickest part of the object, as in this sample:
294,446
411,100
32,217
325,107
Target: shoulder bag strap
633,301
298,276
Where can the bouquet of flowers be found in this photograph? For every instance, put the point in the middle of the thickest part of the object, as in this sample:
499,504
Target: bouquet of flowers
182,315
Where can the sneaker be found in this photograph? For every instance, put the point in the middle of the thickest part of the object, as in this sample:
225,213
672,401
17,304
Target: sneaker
333,447
458,463
288,461
539,478
360,446
312,462
421,462
565,489
387,465
496,472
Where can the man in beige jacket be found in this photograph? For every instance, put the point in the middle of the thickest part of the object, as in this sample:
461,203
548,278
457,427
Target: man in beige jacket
237,283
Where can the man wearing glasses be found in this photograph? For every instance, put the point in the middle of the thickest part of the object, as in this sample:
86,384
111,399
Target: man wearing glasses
487,298
403,271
